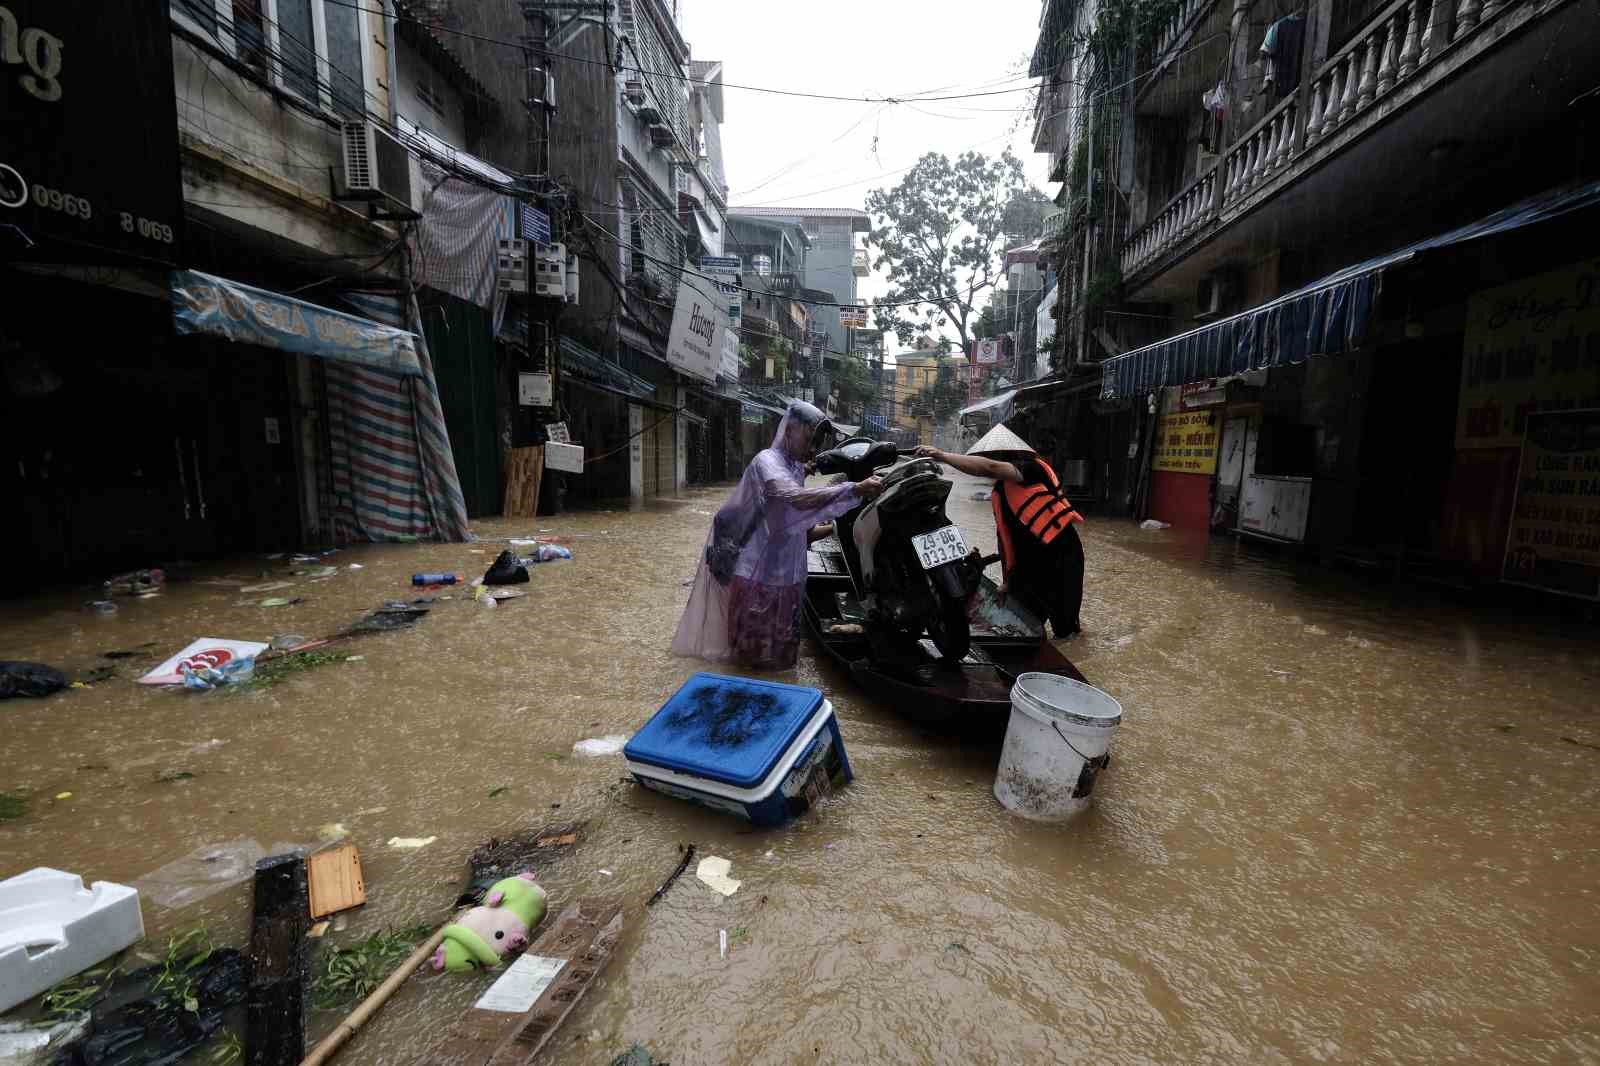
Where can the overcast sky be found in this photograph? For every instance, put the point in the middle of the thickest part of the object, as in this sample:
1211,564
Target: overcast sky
825,153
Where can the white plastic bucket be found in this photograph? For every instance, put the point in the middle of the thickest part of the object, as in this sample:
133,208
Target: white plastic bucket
1057,742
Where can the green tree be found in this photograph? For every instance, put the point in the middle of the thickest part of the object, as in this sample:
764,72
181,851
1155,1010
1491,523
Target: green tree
943,229
941,400
853,383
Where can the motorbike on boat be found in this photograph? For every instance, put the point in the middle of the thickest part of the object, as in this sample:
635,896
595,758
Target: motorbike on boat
907,561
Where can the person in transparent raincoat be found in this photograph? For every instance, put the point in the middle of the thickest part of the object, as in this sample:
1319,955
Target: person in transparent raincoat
745,606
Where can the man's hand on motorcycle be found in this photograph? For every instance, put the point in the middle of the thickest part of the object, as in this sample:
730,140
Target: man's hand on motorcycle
869,488
926,451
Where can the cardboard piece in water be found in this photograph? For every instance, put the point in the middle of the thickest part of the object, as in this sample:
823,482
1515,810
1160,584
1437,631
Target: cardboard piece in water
519,1013
214,652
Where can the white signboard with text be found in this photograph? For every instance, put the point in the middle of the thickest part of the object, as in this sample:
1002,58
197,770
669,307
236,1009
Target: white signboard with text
698,321
730,355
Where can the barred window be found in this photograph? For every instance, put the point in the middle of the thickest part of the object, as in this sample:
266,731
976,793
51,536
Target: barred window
669,93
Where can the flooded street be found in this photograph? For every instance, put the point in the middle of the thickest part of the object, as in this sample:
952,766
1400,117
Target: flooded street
1340,825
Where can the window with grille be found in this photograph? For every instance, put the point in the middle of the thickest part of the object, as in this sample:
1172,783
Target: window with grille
286,43
664,77
655,245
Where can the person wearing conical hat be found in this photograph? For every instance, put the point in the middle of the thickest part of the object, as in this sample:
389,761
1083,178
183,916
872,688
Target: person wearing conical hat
1040,552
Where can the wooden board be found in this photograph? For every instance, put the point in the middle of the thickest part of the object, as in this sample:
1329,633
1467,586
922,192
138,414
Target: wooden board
335,879
280,964
524,470
581,938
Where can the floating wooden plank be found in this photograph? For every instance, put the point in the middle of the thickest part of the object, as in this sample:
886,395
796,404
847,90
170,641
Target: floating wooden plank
521,1011
335,879
280,964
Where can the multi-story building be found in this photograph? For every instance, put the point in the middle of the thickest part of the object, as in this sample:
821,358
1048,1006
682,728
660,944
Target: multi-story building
638,146
278,173
1309,219
833,261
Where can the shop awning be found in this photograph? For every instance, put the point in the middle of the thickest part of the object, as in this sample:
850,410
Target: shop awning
581,362
202,303
1327,317
990,403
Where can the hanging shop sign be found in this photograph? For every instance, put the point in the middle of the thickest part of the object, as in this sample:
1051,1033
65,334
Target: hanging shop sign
987,351
1533,345
1186,442
730,355
853,317
1198,394
698,321
535,225
88,132
721,264
1554,540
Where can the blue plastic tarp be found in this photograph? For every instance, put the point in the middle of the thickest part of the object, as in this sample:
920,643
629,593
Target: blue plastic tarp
202,303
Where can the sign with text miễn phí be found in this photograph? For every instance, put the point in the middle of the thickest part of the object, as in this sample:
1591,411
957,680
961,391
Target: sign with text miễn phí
1554,539
1186,442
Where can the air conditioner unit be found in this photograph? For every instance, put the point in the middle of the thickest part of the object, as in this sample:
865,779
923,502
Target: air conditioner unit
661,135
550,271
377,166
633,91
1212,295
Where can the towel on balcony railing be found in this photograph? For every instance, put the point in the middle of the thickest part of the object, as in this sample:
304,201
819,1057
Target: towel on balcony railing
1328,317
1281,46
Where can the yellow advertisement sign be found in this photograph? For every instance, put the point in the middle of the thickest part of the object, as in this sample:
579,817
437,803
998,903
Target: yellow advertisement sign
1554,541
1533,345
1186,442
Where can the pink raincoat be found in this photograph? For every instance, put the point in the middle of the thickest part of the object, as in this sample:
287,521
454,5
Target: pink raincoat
745,605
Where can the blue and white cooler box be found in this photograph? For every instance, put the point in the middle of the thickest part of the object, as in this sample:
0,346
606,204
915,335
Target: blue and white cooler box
758,749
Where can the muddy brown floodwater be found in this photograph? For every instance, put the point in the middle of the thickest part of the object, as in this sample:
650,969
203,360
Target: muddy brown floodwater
1340,825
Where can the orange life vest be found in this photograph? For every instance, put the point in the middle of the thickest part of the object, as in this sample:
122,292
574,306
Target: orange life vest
1042,510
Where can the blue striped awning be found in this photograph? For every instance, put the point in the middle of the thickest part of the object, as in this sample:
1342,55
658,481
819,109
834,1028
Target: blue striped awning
202,303
1328,317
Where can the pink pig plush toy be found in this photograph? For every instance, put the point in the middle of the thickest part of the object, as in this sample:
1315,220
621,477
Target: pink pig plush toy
484,935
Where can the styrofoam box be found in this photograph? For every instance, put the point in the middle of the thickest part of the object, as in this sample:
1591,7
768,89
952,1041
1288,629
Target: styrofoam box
51,928
567,457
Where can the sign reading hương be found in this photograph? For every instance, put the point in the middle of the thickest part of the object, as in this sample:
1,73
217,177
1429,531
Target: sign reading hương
1186,442
88,131
1532,345
698,319
1554,540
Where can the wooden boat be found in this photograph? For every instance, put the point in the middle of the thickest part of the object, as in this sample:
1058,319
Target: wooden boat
972,696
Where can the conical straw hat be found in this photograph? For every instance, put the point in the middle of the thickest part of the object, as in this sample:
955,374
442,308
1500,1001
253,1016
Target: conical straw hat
1000,441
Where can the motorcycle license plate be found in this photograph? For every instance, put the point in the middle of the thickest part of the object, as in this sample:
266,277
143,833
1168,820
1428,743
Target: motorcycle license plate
939,547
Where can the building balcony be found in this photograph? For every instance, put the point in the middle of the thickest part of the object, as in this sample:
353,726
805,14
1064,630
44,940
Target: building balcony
859,264
1428,93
